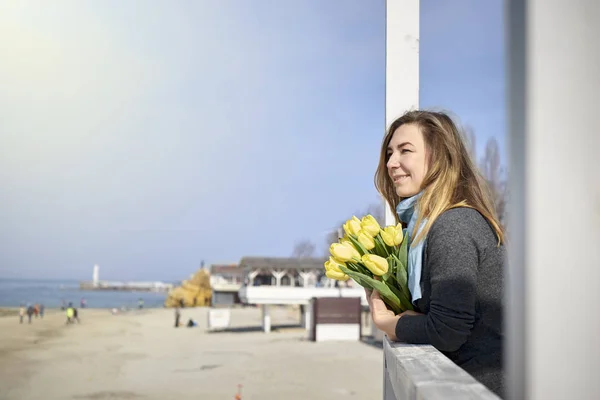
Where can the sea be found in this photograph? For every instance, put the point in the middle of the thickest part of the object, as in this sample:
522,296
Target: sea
52,293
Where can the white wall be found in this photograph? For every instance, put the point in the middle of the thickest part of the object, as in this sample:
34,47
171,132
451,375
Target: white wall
554,271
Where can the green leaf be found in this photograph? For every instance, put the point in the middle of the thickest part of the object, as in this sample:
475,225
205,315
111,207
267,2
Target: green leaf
403,253
403,295
361,250
402,274
400,290
402,257
381,246
387,295
361,269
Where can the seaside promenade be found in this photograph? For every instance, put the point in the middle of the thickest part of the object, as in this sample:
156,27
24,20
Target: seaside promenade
140,355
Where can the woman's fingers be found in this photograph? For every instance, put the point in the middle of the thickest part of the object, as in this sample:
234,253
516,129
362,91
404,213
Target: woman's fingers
377,304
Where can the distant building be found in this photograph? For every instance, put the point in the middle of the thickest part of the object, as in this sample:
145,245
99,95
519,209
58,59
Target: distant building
280,271
225,282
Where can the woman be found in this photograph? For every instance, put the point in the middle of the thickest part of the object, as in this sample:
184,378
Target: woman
456,251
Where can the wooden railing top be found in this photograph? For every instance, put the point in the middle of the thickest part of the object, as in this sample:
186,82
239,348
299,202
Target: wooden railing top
421,372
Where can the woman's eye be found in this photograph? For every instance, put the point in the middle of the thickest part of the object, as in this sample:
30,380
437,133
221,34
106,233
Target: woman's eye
404,151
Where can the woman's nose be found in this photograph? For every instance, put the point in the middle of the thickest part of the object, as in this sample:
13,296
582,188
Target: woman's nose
392,162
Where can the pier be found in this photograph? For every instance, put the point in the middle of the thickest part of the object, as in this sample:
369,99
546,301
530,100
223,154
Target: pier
126,286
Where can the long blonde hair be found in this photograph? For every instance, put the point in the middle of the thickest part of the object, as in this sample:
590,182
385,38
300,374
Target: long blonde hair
452,179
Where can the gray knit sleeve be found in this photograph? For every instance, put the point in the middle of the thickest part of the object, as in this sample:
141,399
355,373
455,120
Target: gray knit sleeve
452,260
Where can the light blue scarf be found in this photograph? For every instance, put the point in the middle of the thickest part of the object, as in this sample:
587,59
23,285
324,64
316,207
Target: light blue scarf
408,214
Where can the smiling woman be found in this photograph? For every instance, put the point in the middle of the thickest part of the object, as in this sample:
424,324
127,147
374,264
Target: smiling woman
456,251
407,160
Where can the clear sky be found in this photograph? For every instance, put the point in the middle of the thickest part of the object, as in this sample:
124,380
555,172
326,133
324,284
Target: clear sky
146,136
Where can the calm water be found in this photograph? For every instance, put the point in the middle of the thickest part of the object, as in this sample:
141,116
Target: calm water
14,292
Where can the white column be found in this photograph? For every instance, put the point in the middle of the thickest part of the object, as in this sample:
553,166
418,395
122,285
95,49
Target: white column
251,276
308,316
278,274
553,299
266,318
401,65
401,73
306,275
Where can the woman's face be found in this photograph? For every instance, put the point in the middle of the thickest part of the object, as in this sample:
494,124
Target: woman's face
407,160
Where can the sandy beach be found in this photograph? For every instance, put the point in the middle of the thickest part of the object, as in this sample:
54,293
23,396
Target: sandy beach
140,355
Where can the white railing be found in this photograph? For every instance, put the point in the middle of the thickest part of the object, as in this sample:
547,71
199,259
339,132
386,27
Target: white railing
295,294
412,372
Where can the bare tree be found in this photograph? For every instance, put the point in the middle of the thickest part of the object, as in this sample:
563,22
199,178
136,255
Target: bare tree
471,142
492,171
304,249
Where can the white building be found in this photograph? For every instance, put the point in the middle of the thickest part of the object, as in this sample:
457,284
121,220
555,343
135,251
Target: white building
225,282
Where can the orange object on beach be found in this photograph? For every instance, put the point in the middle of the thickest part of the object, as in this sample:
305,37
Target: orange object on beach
238,395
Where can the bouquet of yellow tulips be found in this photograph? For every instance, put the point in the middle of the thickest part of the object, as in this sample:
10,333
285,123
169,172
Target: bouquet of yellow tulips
373,257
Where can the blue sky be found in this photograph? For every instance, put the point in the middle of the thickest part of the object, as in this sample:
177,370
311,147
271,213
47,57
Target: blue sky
149,136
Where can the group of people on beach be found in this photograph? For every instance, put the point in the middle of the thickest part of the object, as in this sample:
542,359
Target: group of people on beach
30,310
37,311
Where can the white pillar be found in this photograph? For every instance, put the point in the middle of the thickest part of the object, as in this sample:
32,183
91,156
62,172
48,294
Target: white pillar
251,276
278,274
306,275
307,316
401,65
266,318
401,74
553,310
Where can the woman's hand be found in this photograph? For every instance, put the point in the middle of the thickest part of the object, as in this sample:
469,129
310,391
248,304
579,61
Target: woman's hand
383,318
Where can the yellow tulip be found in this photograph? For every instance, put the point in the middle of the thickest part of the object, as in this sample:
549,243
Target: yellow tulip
344,252
352,226
366,240
376,264
340,262
370,225
338,276
391,236
333,265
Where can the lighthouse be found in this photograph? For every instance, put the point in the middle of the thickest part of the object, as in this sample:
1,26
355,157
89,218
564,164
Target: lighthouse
95,275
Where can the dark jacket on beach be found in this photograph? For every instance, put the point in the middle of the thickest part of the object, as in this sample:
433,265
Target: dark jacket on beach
462,288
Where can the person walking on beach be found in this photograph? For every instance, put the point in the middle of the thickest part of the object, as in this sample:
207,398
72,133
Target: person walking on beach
140,303
29,312
82,303
70,314
21,313
42,308
177,316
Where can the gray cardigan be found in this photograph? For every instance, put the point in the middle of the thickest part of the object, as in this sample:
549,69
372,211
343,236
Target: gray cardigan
462,288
